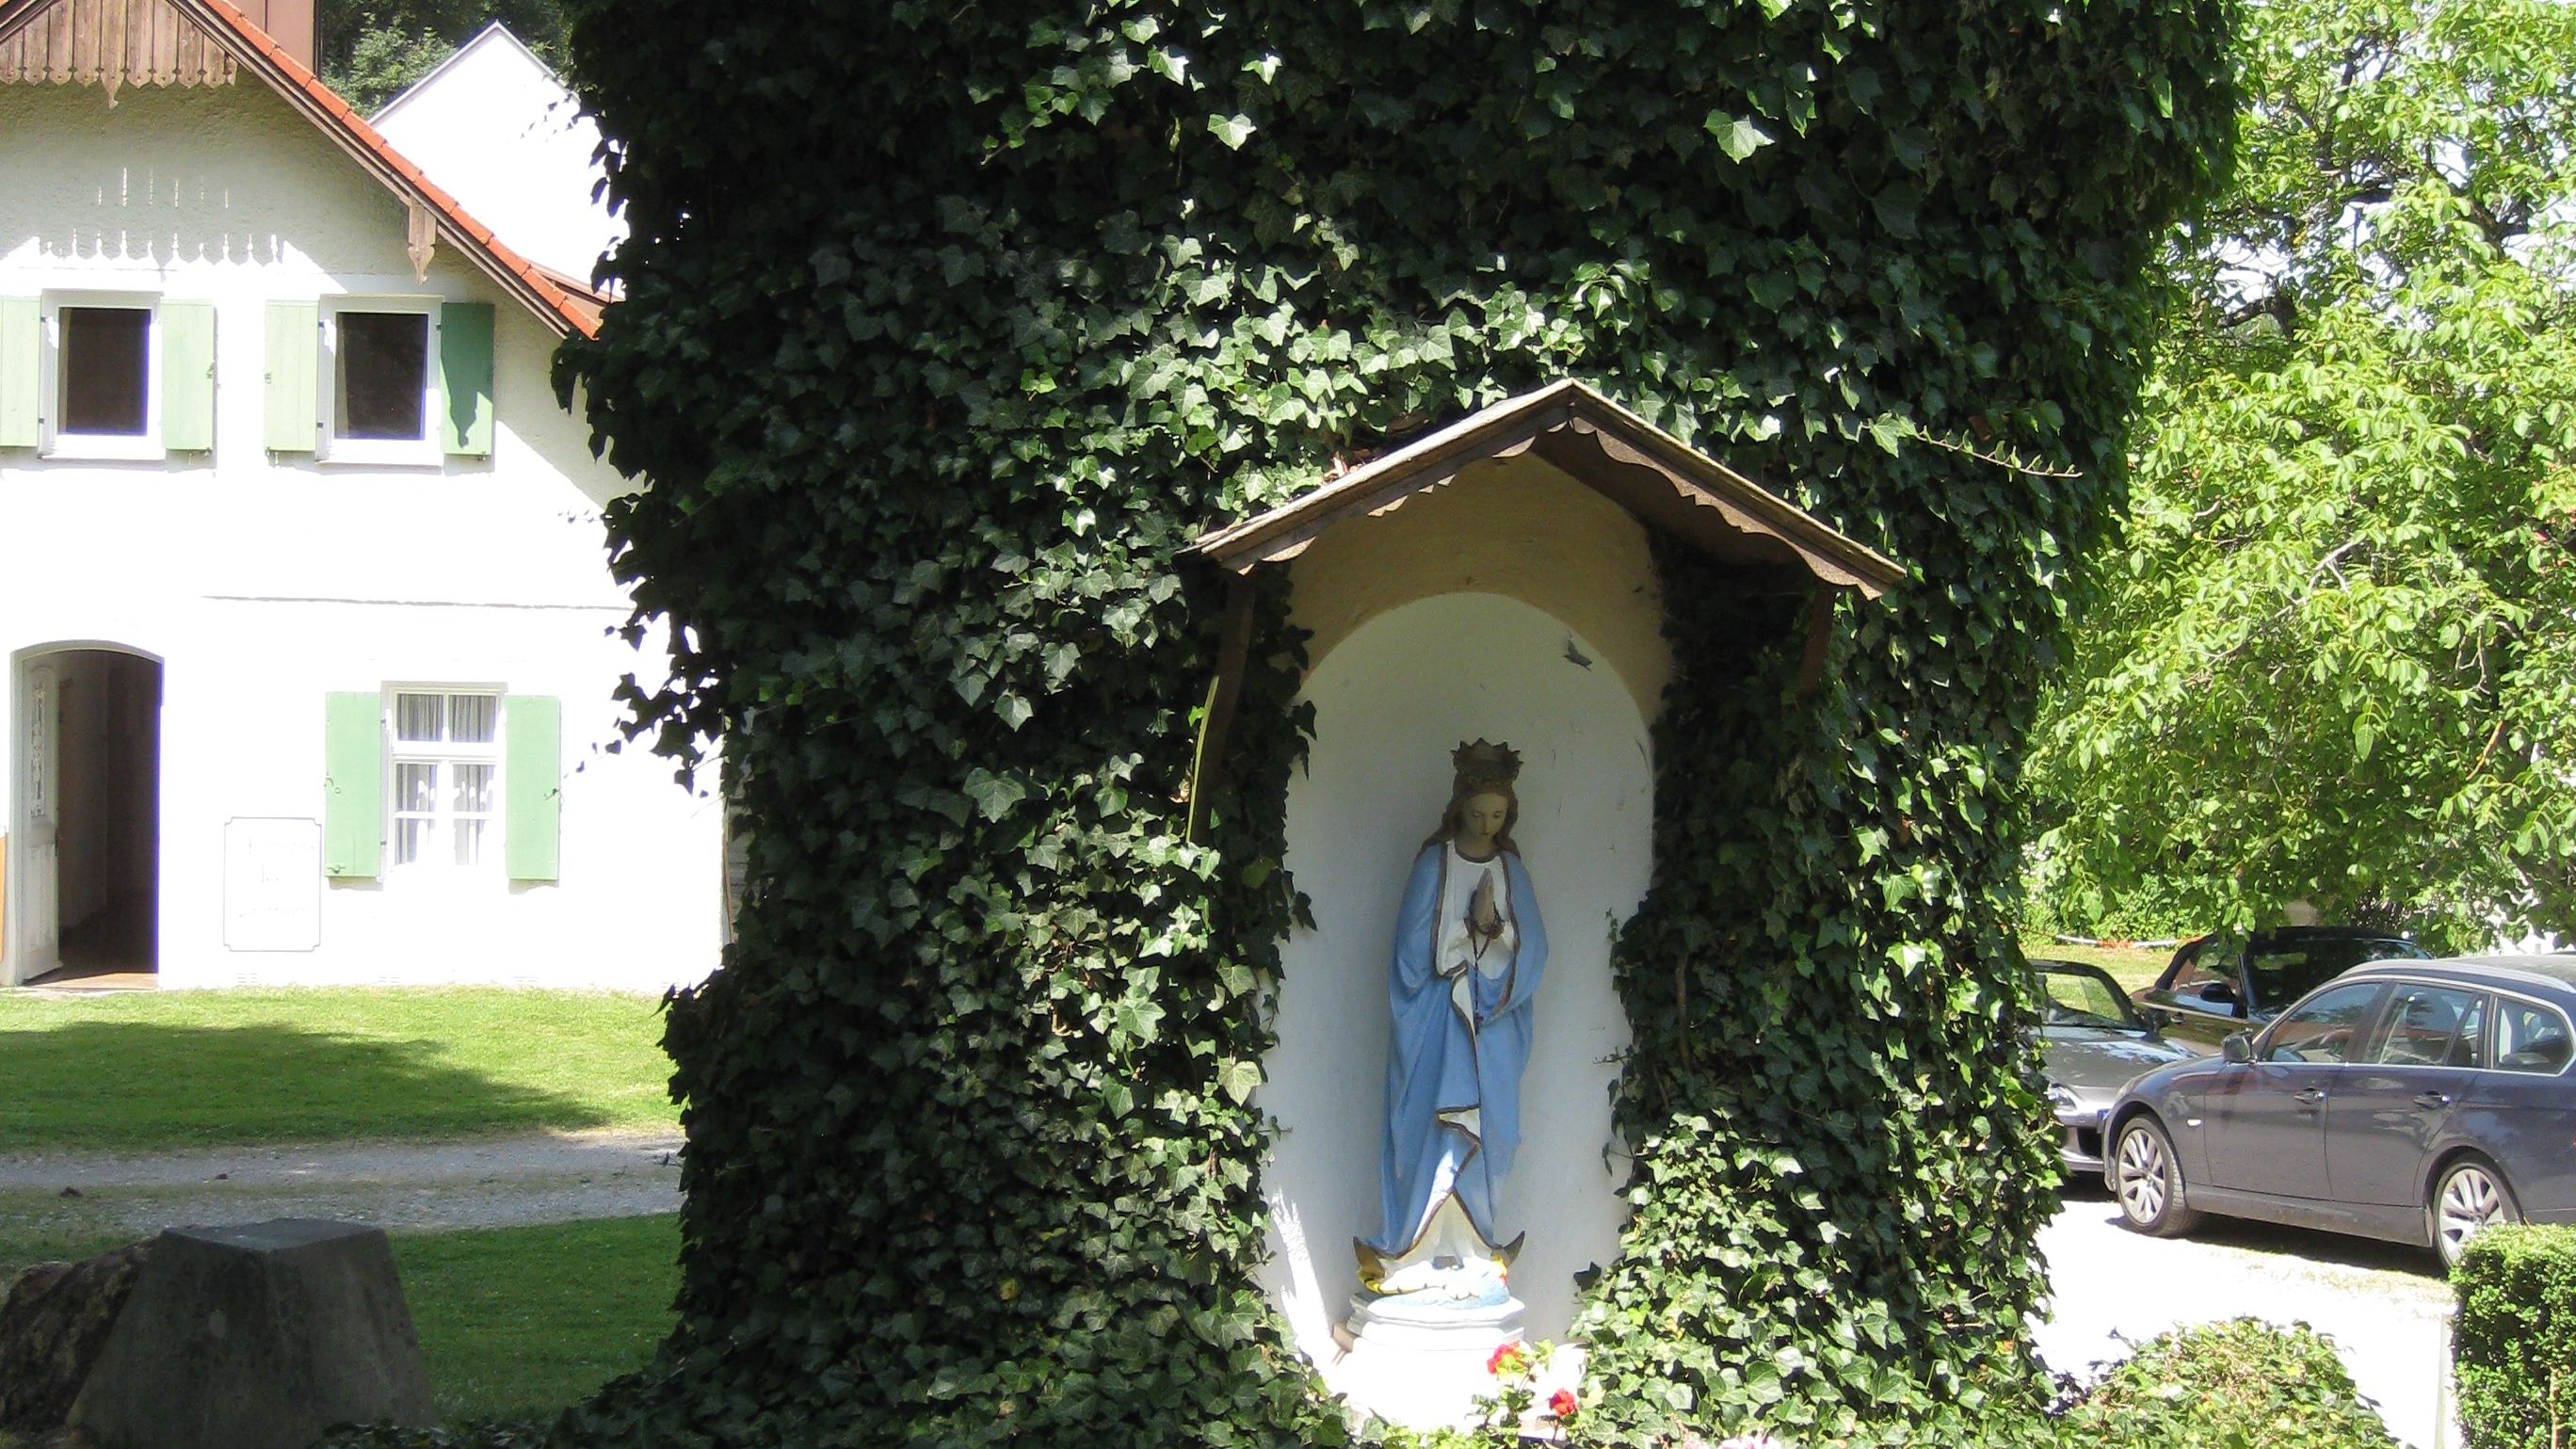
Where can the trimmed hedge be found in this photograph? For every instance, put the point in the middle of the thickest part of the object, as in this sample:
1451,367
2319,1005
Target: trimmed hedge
2514,1349
2227,1386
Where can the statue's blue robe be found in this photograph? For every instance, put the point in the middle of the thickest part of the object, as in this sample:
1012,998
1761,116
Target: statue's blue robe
1438,1062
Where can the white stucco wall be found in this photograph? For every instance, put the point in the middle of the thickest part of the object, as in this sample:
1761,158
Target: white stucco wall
497,131
266,581
1391,699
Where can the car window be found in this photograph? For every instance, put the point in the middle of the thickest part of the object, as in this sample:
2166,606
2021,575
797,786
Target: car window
2529,1038
2290,970
2210,963
2322,1029
2429,1026
2082,998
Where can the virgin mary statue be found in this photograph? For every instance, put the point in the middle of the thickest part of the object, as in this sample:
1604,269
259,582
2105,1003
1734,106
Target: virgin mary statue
1469,949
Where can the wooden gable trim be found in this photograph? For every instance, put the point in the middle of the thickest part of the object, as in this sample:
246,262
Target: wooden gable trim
253,50
1663,481
109,44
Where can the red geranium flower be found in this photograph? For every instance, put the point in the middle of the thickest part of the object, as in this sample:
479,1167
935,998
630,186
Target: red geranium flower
1507,1359
1561,1404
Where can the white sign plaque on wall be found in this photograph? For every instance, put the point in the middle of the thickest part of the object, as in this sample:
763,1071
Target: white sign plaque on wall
272,884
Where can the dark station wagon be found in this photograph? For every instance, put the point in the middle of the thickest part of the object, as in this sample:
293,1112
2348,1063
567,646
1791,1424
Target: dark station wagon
2416,1101
2218,985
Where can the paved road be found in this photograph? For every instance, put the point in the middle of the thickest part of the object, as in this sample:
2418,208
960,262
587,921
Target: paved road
2385,1307
494,1182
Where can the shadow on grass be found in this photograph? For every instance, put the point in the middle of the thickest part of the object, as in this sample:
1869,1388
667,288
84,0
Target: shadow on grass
135,1085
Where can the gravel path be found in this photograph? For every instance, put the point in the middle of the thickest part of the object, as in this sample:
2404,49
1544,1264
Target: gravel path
2387,1308
492,1182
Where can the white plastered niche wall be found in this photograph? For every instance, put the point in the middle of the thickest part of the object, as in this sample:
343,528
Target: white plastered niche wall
1515,604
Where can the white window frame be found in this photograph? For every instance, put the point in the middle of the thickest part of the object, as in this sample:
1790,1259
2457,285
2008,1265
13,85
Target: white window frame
423,451
439,860
110,447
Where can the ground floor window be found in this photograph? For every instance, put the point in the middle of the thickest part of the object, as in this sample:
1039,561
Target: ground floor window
446,776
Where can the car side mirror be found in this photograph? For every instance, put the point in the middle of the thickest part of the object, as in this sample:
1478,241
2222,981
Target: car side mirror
2219,993
2237,1049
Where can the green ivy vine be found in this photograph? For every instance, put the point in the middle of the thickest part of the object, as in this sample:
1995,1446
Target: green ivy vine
947,327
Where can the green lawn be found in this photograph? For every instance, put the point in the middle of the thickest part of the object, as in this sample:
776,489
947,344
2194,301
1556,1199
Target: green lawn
513,1322
189,1068
2134,970
519,1322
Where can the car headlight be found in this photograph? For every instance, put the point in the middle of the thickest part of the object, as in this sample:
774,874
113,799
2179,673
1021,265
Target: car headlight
2061,1099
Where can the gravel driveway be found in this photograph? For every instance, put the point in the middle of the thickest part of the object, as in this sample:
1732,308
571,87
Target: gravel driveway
495,1182
2385,1307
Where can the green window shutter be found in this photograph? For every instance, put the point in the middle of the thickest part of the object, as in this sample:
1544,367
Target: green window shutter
187,376
465,382
21,344
353,785
531,783
294,377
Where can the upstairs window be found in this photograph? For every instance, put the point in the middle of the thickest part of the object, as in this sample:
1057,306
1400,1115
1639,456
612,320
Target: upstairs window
383,376
104,372
380,388
115,376
405,381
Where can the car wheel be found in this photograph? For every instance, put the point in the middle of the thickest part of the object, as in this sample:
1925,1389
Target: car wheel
2469,1198
2148,1182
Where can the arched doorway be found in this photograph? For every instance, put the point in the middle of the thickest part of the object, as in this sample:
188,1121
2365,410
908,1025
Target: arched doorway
85,859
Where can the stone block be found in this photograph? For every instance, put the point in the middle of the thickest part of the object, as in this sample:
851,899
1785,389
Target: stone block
256,1337
51,1330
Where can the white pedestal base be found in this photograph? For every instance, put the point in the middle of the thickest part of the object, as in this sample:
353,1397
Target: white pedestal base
1420,1366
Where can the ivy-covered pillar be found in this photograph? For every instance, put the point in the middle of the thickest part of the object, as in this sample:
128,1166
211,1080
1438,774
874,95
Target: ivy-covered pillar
945,330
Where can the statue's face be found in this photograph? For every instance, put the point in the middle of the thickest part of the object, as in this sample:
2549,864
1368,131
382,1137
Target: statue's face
1480,819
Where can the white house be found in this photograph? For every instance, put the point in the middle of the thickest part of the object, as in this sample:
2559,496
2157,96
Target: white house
497,129
303,589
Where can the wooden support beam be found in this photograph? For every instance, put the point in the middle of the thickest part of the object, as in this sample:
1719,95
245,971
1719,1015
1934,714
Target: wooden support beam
1820,638
1218,714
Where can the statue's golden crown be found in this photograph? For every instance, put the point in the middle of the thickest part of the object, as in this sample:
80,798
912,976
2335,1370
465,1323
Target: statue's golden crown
1484,765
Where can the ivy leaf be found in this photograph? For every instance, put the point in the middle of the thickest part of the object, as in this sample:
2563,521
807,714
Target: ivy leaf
1232,130
1737,136
1237,1079
1134,1023
994,795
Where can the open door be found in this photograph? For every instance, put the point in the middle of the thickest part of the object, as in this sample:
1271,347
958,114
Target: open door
85,901
38,947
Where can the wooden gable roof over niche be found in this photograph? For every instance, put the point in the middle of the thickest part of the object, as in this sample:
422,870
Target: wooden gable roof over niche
1767,544
115,43
1771,544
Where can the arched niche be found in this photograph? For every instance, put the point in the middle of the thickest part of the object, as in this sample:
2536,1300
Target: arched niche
1491,579
1391,699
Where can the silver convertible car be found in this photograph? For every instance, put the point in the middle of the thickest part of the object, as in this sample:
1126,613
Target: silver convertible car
2092,1043
2415,1101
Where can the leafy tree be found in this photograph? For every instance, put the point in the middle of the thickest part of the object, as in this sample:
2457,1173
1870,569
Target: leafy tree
2336,659
946,327
369,50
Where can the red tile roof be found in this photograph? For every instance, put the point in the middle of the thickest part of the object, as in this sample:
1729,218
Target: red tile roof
560,305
